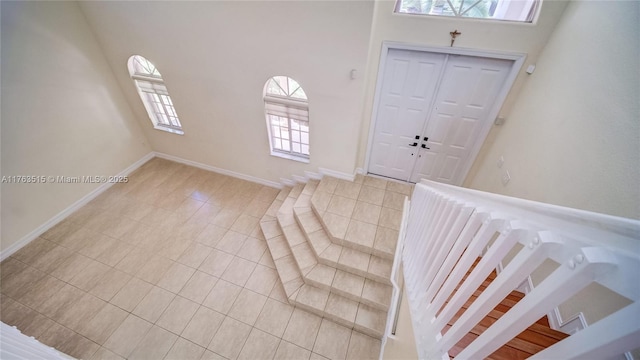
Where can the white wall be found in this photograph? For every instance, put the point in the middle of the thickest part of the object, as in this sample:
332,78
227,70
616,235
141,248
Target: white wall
515,37
403,344
215,58
573,137
62,113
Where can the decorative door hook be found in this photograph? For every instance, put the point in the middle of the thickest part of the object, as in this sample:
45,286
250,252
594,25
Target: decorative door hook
453,34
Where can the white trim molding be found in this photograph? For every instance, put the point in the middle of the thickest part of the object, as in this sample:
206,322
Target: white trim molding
570,326
219,170
300,179
312,176
337,174
69,210
287,182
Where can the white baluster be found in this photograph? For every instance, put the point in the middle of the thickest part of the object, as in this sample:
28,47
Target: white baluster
605,339
461,218
420,227
522,265
484,235
467,234
563,283
416,261
438,242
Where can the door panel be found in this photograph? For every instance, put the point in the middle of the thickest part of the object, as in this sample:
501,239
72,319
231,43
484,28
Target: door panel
408,88
464,99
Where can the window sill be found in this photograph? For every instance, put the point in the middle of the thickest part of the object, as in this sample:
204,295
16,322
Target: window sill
173,131
290,157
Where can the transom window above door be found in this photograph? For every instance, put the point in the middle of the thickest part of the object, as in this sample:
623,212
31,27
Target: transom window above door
154,95
287,114
509,10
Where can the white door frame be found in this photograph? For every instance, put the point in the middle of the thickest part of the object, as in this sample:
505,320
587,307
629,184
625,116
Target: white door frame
518,61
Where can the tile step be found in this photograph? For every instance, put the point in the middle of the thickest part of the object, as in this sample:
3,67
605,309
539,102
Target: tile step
365,319
347,211
346,312
347,284
360,263
331,253
344,258
342,280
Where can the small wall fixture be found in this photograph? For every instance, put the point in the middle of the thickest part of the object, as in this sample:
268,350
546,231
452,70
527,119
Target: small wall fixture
454,34
354,74
531,69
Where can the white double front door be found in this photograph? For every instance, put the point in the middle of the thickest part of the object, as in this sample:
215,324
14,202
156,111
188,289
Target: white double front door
431,112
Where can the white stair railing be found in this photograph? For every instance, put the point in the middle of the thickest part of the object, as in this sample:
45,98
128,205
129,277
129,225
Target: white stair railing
450,227
14,345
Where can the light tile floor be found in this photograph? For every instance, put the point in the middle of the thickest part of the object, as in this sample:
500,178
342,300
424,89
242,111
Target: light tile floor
170,265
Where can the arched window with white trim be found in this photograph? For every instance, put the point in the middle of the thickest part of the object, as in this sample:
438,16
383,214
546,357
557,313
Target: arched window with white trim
287,112
154,95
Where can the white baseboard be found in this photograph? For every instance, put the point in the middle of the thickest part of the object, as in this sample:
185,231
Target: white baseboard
312,176
337,174
299,179
219,170
69,210
287,182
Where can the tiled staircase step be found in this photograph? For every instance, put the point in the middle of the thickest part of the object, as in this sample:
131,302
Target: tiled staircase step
370,266
300,248
277,203
347,259
286,266
364,215
353,286
318,299
365,263
341,310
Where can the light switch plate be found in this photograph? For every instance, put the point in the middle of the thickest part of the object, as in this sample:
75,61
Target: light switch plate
500,161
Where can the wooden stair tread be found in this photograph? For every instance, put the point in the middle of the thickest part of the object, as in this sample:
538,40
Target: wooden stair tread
541,326
532,340
503,353
500,309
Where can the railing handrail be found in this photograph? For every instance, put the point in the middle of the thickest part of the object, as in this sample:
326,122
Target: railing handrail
574,221
396,285
457,236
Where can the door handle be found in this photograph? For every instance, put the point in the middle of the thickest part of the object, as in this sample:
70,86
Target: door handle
414,144
424,146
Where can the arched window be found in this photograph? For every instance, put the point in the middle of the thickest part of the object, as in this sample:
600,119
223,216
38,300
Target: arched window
287,112
154,95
